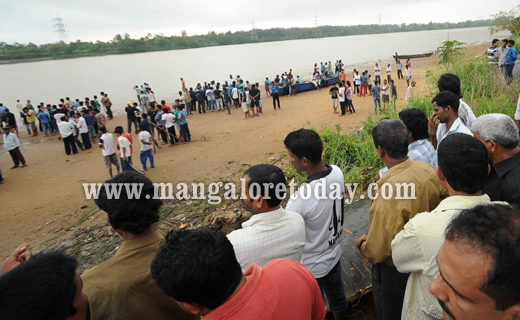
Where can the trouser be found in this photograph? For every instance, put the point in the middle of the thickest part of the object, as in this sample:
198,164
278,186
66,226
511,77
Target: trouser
188,107
40,125
86,140
376,102
388,289
286,90
219,104
129,122
342,105
400,74
139,99
363,90
46,127
508,72
350,106
54,126
228,104
28,127
378,79
172,136
290,90
17,156
145,155
126,164
91,132
186,132
331,286
144,107
163,136
356,88
69,145
201,106
389,78
78,143
235,101
109,112
276,98
213,104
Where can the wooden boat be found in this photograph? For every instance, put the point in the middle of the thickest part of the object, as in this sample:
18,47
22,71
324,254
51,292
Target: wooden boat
413,56
355,272
306,86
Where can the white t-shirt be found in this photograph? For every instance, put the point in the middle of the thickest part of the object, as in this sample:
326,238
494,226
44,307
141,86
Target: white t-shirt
57,117
384,90
66,129
147,137
107,141
73,123
388,70
408,72
234,93
169,118
124,143
324,219
248,98
342,94
377,71
82,125
138,91
80,108
357,79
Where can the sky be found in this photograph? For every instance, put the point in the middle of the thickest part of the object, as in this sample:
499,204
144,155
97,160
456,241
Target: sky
25,21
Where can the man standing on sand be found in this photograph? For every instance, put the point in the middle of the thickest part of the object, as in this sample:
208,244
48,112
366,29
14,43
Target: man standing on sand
342,76
342,102
389,73
83,131
67,135
357,82
108,105
146,147
375,93
275,95
399,70
407,74
138,91
363,82
267,87
124,147
12,145
385,94
377,72
334,96
151,100
31,119
183,84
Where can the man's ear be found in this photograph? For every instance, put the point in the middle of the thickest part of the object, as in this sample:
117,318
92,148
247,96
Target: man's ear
513,312
193,308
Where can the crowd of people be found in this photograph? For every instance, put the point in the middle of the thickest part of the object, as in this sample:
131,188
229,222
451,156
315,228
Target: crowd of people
504,55
450,251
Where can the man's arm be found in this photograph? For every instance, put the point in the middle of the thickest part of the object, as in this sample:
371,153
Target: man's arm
433,123
407,251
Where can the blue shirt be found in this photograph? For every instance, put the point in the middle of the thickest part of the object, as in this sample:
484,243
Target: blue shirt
44,117
300,80
274,88
375,91
75,105
511,56
363,80
182,117
146,123
399,66
88,120
2,110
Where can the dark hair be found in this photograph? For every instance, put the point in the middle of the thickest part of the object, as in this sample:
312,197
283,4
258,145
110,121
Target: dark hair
493,230
131,214
197,266
163,102
84,111
63,118
43,287
511,41
267,175
102,129
392,136
416,122
505,40
464,162
142,126
118,130
144,115
447,98
494,40
305,143
449,82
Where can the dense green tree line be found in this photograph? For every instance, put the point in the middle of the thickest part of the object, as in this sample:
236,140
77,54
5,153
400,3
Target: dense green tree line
125,44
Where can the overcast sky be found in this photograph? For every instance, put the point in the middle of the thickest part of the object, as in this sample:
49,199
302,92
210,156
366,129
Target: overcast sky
26,21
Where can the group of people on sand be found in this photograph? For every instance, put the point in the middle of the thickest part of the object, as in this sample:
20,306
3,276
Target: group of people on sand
447,249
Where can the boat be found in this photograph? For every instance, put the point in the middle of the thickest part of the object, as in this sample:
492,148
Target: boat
413,56
306,86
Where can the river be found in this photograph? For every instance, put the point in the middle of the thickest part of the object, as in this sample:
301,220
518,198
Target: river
48,81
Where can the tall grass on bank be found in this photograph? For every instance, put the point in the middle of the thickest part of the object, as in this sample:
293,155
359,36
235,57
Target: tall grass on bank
483,89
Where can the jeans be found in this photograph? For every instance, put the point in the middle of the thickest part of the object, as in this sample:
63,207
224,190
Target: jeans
188,107
290,90
86,140
109,112
172,135
186,132
125,164
219,104
129,122
350,106
46,127
228,104
69,145
378,79
332,287
342,105
376,102
91,132
388,289
28,127
78,143
389,78
508,72
202,109
400,74
145,155
276,98
213,104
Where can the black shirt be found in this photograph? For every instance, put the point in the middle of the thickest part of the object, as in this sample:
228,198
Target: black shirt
254,92
217,92
130,113
334,92
503,182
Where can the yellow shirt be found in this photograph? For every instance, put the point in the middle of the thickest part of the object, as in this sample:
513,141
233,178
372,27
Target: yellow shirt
31,117
122,287
388,217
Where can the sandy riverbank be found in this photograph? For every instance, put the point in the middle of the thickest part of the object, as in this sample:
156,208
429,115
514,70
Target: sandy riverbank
38,202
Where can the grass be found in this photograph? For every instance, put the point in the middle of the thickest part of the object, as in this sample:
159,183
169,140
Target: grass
85,215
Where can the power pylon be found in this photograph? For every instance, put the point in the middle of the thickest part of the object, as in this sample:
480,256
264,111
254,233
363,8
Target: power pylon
316,33
60,29
379,19
254,36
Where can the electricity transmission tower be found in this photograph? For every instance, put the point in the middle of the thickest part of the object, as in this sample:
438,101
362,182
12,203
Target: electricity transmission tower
316,33
60,29
379,19
254,36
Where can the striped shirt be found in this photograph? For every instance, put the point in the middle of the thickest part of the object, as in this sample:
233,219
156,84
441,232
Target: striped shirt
415,250
419,150
268,236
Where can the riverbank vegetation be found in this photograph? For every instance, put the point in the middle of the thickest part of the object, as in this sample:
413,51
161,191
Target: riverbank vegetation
482,86
126,44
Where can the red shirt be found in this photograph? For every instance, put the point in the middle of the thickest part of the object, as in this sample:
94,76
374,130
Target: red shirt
283,289
129,137
166,107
